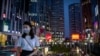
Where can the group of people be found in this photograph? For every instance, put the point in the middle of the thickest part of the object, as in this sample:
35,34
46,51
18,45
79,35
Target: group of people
28,42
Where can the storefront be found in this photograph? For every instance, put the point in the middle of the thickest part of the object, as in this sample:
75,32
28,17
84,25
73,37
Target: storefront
7,43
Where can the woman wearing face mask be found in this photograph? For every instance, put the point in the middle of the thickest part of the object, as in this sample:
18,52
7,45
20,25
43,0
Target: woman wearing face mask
29,42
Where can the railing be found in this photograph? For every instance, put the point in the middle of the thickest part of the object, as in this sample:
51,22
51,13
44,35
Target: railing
7,50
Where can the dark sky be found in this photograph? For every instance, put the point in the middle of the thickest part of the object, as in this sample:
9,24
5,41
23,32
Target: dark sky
66,14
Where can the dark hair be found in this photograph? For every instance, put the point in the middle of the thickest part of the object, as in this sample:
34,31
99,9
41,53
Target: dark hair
31,33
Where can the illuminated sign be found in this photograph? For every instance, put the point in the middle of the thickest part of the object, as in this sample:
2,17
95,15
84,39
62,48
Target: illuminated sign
5,26
48,36
75,36
96,25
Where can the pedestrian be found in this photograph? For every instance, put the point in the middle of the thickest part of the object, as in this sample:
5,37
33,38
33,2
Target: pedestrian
28,42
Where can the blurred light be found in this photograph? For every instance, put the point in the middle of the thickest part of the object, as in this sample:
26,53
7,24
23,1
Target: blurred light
43,26
41,41
4,15
87,30
19,17
89,35
75,37
77,50
37,24
85,43
12,31
96,10
46,50
96,25
18,32
12,55
33,0
8,30
82,52
91,41
68,43
32,14
85,20
55,43
5,28
33,23
48,36
93,34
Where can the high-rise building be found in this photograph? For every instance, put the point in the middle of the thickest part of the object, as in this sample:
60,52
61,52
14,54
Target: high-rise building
75,20
98,2
90,17
13,13
86,14
87,21
45,13
56,17
95,16
37,13
33,10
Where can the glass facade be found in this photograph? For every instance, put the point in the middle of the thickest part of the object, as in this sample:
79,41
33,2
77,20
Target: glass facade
75,18
95,12
48,11
56,13
86,14
33,10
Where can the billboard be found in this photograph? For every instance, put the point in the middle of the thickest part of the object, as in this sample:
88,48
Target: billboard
75,36
5,25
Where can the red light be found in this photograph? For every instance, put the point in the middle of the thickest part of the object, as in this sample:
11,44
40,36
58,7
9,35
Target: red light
48,36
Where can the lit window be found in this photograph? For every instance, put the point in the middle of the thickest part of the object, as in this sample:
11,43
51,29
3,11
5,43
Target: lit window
33,0
5,28
32,14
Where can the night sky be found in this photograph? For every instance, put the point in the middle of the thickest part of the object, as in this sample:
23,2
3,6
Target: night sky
66,14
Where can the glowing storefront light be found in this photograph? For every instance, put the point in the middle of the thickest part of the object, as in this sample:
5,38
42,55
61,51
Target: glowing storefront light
5,28
75,36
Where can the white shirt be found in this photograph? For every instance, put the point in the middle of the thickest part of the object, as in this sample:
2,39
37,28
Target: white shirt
26,46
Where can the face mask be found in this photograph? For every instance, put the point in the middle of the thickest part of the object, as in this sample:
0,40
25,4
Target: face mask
26,30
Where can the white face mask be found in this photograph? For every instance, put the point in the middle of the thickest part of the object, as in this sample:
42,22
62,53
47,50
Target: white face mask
26,30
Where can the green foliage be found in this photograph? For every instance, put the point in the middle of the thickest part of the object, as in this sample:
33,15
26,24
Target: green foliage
60,48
